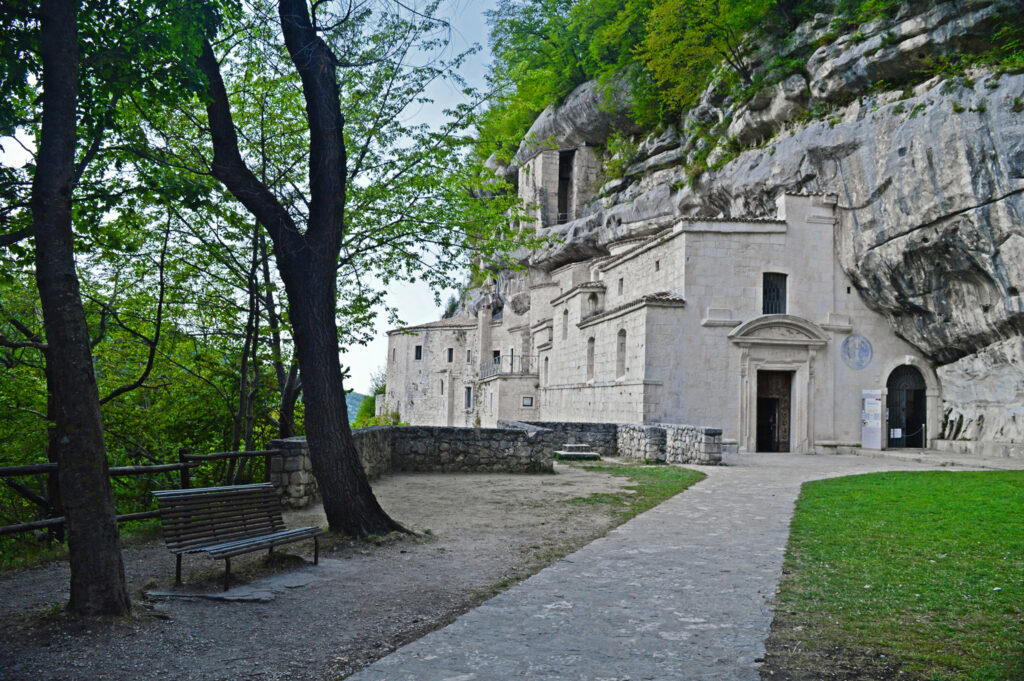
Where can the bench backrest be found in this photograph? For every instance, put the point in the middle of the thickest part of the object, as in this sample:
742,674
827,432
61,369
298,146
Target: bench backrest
212,515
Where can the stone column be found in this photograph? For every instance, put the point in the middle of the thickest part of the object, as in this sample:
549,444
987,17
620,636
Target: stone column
292,473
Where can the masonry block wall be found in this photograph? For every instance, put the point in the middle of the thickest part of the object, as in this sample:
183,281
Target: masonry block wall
514,447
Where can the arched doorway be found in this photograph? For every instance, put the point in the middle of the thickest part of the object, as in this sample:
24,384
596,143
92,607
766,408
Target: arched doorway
905,406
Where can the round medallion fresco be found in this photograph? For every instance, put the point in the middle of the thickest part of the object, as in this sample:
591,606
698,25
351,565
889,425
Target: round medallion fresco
857,351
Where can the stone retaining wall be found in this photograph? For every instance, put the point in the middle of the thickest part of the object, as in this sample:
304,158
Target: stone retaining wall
692,444
600,436
670,442
436,449
641,443
471,450
514,447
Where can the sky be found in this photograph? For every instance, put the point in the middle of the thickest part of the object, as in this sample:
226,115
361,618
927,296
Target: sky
414,302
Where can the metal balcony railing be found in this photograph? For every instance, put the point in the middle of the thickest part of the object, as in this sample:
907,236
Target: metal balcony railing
509,365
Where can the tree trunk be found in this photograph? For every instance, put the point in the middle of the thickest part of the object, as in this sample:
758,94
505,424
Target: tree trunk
350,506
97,569
308,262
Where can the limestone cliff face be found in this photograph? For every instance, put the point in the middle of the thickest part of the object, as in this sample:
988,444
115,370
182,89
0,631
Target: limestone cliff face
930,184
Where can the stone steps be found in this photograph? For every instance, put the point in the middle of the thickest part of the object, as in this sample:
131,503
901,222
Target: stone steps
576,452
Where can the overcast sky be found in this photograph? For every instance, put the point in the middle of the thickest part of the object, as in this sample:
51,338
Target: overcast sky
414,302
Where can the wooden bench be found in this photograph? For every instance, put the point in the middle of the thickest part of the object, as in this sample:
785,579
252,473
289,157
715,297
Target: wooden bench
226,522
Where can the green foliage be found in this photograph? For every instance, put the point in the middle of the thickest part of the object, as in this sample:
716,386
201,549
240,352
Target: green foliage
923,568
619,154
669,52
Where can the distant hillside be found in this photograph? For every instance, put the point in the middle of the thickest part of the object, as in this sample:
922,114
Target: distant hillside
353,400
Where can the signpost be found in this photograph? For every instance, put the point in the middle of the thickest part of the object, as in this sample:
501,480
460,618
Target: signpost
871,419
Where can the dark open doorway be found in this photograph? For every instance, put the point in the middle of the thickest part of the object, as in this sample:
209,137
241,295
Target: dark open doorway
565,162
774,407
905,405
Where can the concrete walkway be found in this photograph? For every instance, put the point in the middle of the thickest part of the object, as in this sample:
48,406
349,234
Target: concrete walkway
682,592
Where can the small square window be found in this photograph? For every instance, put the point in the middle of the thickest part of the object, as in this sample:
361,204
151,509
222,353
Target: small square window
527,400
418,352
451,354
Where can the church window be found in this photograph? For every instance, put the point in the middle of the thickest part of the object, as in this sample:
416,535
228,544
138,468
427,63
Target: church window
469,397
418,352
394,352
442,386
565,324
469,356
620,286
590,358
546,375
657,265
774,293
592,303
620,354
451,354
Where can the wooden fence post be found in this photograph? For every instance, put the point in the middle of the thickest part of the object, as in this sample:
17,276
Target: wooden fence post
186,472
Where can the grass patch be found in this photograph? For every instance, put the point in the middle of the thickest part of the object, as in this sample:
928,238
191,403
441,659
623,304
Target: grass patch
905,575
654,484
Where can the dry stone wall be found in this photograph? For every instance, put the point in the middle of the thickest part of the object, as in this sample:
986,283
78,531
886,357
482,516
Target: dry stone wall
470,450
601,437
669,442
692,444
434,449
641,443
514,447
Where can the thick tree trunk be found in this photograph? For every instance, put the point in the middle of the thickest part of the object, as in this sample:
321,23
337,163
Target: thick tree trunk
350,505
97,569
308,262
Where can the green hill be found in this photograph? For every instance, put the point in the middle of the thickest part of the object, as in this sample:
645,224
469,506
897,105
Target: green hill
353,400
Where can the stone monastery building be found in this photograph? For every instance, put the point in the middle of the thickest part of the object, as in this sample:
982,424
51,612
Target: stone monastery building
750,326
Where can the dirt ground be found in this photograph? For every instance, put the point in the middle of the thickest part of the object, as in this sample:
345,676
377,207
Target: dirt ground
478,533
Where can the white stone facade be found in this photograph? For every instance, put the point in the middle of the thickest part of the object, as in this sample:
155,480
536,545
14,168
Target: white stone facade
672,328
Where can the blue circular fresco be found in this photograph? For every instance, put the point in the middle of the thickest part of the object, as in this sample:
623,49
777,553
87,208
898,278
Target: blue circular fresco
857,351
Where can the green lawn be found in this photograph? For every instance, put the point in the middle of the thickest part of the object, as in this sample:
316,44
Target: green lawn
917,574
654,484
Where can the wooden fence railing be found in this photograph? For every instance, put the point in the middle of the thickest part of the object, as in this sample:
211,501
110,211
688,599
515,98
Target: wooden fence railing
186,462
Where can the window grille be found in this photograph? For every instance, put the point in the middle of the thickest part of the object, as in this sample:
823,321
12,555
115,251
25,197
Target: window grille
774,292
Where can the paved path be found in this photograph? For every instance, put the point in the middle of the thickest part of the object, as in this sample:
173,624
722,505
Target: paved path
682,592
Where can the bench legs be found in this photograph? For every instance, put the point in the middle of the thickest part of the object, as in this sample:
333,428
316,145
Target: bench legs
177,570
227,573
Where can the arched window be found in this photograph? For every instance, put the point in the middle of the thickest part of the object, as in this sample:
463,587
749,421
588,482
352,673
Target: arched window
565,324
590,358
620,354
592,303
546,375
